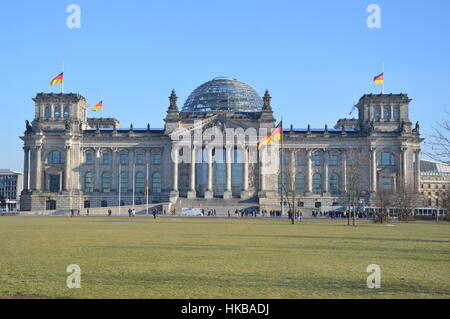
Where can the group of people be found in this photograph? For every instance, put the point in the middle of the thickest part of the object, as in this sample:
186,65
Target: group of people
341,214
131,212
72,212
211,212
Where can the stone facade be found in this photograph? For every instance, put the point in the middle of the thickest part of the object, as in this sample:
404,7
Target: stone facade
71,161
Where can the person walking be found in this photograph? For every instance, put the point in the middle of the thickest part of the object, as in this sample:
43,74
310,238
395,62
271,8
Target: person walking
109,212
87,212
133,212
129,212
154,214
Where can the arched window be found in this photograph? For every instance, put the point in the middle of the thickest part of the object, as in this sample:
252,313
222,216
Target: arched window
140,183
89,182
386,159
57,112
317,183
156,183
123,182
300,183
48,112
282,183
333,183
106,182
66,111
54,157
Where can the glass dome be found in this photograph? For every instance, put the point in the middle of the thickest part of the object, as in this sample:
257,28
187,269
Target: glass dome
223,94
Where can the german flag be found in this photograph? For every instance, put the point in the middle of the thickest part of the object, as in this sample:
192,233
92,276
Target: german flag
276,135
98,106
145,191
379,79
58,79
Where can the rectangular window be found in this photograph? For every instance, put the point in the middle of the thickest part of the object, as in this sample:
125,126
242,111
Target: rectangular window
376,113
386,113
156,158
334,160
89,158
301,160
106,159
139,158
123,159
396,113
317,160
386,183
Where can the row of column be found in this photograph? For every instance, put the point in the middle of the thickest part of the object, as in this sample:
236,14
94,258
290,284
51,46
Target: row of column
33,174
192,193
309,171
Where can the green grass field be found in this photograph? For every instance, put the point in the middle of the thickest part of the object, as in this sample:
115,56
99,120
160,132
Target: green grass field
221,258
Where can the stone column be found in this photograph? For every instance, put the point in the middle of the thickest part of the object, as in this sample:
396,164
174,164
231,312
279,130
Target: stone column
175,170
325,173
229,159
417,171
38,171
115,170
373,170
403,174
209,191
309,172
292,169
67,170
131,171
262,184
192,192
97,173
245,158
344,170
26,164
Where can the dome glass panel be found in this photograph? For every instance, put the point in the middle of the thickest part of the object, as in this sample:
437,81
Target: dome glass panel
222,95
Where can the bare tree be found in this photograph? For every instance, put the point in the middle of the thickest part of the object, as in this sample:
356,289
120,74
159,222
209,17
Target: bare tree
355,181
384,200
288,194
405,201
439,142
445,200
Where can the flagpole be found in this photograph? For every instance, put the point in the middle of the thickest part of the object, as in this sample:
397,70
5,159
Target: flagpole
382,70
146,190
101,110
134,167
62,82
120,178
282,172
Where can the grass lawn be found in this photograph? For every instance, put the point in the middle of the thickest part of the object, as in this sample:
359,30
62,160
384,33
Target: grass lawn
221,258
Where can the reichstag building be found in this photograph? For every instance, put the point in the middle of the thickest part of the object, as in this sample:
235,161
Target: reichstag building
73,161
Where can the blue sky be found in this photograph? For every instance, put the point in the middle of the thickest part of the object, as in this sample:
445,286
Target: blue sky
313,56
